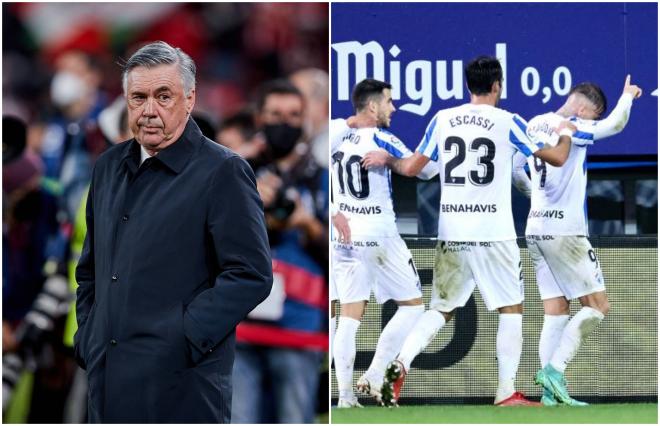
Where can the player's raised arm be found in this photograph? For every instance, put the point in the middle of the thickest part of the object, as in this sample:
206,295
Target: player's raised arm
618,118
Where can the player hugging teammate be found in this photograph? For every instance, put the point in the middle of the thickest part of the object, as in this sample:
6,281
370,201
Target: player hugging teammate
475,146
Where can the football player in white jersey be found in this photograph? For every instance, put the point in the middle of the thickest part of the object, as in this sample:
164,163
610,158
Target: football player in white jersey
474,144
376,259
557,229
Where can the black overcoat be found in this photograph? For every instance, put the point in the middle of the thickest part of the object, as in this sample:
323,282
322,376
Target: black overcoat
176,255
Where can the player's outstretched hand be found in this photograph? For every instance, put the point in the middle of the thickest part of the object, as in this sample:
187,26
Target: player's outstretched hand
375,159
634,90
340,222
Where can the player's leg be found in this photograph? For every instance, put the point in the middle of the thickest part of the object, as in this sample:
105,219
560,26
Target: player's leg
353,290
497,270
333,325
389,345
396,278
556,317
579,277
556,310
421,335
594,308
452,287
345,350
509,350
334,298
556,314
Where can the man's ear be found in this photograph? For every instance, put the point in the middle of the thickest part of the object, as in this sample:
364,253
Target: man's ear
190,101
372,106
495,88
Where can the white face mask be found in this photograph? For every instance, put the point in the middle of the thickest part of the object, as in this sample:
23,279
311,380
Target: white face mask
67,88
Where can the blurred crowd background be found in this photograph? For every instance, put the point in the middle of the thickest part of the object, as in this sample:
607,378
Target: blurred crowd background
262,90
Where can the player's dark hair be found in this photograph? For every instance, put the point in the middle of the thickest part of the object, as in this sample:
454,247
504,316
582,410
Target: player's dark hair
481,73
366,90
280,86
594,93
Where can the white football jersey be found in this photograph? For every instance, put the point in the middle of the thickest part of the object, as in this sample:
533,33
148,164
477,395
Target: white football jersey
559,194
474,146
363,196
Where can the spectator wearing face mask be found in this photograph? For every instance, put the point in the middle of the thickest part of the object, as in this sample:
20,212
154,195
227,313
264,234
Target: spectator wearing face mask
281,344
70,143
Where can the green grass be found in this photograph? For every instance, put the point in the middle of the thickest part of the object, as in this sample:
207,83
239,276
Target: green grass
596,413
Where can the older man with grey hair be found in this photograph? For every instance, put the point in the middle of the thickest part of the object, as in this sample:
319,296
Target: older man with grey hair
176,255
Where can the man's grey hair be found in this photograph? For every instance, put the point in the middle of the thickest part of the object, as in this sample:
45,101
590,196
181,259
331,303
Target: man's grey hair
161,53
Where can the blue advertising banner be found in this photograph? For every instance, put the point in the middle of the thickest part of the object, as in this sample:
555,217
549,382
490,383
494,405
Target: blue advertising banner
544,48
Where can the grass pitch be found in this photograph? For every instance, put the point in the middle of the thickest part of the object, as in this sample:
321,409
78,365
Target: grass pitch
596,413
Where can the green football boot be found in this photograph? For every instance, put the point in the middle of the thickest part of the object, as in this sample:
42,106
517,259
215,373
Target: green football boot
548,399
554,382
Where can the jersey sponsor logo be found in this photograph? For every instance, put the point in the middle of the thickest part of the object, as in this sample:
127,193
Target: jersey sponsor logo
540,237
457,246
469,208
473,120
550,214
359,210
365,243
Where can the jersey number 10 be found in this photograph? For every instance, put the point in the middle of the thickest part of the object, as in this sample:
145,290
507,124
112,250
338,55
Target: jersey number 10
346,173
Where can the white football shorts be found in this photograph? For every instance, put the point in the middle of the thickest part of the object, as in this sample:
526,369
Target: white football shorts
383,265
565,266
333,289
493,266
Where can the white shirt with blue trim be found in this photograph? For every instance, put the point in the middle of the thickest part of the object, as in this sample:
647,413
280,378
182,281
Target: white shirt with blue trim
474,146
363,196
559,201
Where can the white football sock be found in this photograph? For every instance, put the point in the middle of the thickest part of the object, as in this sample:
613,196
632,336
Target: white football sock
575,332
509,350
344,352
424,330
333,330
391,339
553,327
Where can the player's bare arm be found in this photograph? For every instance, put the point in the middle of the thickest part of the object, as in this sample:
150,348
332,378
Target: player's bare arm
617,120
410,166
558,154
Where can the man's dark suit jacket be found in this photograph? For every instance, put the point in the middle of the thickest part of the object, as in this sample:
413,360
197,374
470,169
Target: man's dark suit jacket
176,255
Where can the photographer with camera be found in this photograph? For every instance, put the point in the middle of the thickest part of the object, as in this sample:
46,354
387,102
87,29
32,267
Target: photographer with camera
282,341
35,295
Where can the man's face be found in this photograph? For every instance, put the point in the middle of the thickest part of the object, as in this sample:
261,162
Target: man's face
282,108
158,109
581,107
384,109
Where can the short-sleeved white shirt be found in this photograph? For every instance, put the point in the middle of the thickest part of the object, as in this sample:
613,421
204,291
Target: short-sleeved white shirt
474,146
